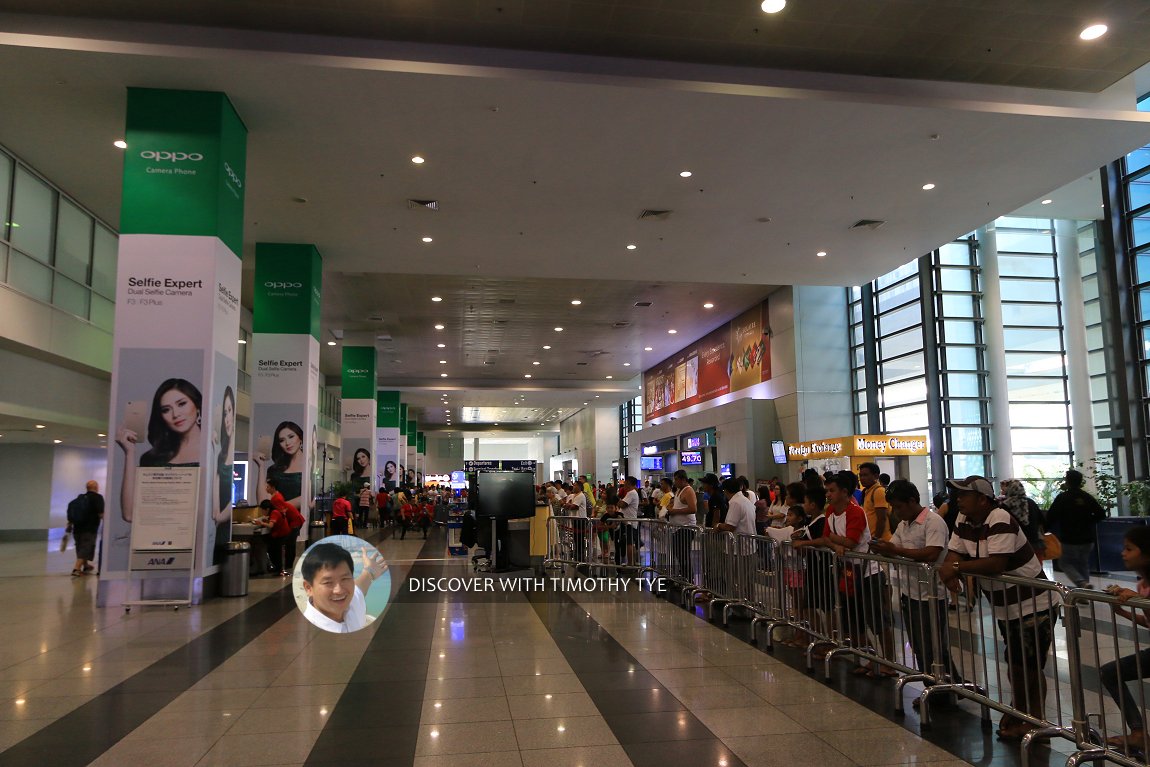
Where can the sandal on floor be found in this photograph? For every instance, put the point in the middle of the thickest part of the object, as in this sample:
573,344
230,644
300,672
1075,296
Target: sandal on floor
76,573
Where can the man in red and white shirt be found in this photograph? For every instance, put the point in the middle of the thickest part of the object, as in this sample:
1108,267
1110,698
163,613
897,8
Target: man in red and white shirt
987,541
340,513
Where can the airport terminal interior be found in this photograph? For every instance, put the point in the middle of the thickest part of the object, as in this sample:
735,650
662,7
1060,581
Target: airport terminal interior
480,267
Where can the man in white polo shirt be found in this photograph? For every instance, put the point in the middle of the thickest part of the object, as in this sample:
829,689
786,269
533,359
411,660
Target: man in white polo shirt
987,541
335,599
627,534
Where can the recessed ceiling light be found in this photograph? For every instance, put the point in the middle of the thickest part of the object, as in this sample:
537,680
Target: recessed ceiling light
610,377
821,254
526,375
685,173
440,346
773,6
447,411
546,347
443,362
586,403
927,187
120,144
536,362
576,302
648,349
439,327
41,426
1093,32
427,239
418,160
708,305
672,331
101,435
558,330
241,341
57,441
626,364
436,299
331,343
1047,202
632,247
443,375
596,396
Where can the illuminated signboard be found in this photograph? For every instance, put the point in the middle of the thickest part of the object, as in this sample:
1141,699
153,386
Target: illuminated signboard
691,458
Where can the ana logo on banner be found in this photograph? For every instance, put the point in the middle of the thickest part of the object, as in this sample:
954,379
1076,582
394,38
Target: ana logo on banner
171,156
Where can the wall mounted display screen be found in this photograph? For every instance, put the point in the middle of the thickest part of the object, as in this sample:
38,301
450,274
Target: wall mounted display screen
726,470
780,451
691,458
239,481
651,463
694,443
505,494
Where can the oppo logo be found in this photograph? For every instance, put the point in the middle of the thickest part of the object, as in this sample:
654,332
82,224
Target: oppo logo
232,175
359,371
171,156
283,285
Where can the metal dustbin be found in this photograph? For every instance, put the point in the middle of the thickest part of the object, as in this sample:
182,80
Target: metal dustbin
317,531
234,570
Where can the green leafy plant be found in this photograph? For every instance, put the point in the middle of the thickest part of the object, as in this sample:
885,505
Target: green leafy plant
1041,489
1099,472
1138,497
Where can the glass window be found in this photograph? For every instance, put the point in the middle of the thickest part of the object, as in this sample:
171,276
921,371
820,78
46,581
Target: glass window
1040,241
1138,159
898,274
1028,290
1032,467
863,424
904,393
963,384
5,186
959,306
29,276
966,465
959,332
32,216
1040,441
1140,230
1048,414
1090,288
1036,389
1023,339
959,280
73,241
897,295
1031,314
967,439
1142,266
903,367
964,411
103,313
1034,364
900,319
961,358
955,254
1026,266
859,355
906,418
1093,312
901,343
70,296
1139,193
104,262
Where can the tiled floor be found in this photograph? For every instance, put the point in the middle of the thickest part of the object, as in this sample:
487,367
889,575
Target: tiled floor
491,680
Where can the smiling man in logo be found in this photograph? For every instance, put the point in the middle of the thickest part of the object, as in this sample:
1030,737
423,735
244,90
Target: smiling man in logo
335,597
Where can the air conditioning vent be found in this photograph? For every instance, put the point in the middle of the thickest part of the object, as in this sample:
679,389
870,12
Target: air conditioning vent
507,301
580,363
423,204
655,215
621,325
643,304
493,351
867,223
488,362
385,337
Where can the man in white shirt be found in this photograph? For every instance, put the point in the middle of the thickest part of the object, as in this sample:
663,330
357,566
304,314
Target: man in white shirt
922,537
575,505
627,535
335,599
740,510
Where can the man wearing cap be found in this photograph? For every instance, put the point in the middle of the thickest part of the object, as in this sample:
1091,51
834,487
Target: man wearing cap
987,541
716,501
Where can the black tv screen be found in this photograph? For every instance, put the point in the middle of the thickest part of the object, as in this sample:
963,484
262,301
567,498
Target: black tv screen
505,494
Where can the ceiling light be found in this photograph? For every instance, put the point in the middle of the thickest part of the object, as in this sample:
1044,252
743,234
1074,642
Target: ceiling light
427,239
586,403
558,330
101,435
575,302
546,347
443,375
1093,32
708,305
526,375
927,187
241,341
447,411
331,343
685,173
418,160
648,349
436,299
596,396
439,327
1047,202
57,441
440,346
773,6
821,254
536,362
632,247
610,377
41,426
443,362
626,364
120,143
672,331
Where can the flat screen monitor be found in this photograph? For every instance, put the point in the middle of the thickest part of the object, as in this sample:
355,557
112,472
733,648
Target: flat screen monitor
239,481
651,463
691,458
505,494
726,470
780,451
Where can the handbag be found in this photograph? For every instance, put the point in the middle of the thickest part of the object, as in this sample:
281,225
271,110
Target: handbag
1053,545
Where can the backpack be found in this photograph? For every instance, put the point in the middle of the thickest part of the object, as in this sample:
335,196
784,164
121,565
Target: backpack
78,510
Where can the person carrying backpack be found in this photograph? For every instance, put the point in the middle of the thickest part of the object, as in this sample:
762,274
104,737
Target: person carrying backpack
85,512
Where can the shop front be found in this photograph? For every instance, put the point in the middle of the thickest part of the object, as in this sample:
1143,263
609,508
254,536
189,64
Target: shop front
902,457
658,459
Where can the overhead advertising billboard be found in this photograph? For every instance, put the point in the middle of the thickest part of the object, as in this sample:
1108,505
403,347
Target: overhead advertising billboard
730,358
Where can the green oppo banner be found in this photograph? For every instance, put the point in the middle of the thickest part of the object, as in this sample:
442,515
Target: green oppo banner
387,409
288,289
421,443
184,166
403,419
358,372
412,428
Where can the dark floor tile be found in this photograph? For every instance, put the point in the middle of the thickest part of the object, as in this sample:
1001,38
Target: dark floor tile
682,752
635,701
618,680
657,727
365,744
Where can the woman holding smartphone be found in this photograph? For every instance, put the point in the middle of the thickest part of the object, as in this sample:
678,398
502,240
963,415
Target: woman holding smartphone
173,433
286,464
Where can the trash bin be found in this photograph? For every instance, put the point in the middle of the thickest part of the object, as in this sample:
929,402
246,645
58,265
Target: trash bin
234,570
316,532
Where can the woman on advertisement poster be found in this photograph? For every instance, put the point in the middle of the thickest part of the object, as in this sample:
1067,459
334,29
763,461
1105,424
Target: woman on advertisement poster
173,432
389,469
286,464
223,440
360,468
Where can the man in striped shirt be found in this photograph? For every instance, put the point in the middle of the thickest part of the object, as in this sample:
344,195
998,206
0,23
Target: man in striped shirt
987,541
